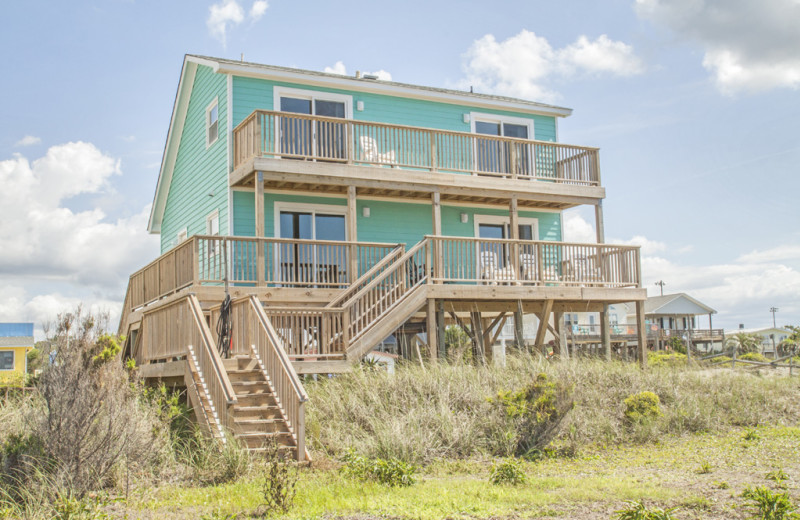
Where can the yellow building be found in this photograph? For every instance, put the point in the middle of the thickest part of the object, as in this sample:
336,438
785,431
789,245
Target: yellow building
16,339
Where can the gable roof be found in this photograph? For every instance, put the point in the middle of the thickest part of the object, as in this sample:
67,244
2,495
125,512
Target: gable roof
310,77
676,304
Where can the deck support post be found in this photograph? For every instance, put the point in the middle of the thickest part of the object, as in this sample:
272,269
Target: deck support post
259,207
561,334
436,219
519,316
605,332
598,221
544,319
352,233
641,334
440,330
479,350
431,328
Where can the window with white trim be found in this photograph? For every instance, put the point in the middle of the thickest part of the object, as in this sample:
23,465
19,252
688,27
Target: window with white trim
7,360
493,155
212,228
212,123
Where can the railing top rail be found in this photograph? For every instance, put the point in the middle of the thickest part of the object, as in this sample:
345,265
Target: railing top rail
282,355
296,241
288,308
397,251
531,242
409,127
183,244
209,345
378,279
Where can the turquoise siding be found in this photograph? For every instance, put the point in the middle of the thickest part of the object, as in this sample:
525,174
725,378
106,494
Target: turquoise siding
199,170
250,94
390,222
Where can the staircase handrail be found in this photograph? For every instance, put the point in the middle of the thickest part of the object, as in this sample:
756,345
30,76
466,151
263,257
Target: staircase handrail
208,352
349,305
364,278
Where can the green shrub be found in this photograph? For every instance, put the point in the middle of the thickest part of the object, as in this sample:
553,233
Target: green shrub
751,435
392,472
536,411
768,505
705,468
664,358
507,471
642,407
777,476
638,511
279,480
676,344
754,356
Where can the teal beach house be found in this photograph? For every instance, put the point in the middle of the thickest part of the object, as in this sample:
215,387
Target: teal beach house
305,217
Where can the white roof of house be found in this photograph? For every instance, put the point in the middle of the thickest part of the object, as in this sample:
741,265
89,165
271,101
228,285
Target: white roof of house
761,331
678,304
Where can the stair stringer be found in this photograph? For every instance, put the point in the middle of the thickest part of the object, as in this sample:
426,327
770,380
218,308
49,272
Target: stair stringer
388,323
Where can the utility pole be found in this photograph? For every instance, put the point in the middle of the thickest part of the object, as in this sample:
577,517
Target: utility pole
773,310
661,284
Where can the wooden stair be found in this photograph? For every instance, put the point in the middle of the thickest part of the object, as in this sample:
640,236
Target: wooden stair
258,417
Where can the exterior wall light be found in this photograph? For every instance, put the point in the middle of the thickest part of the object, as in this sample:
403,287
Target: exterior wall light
464,218
360,106
466,118
365,211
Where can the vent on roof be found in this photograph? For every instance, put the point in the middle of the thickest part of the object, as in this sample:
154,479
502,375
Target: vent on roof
370,76
741,325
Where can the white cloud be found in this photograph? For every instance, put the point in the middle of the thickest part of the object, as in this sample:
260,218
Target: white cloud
648,247
523,64
28,140
577,229
776,254
339,68
749,46
228,13
258,10
43,239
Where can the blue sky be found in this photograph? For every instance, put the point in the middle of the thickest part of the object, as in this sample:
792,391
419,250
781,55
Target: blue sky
694,104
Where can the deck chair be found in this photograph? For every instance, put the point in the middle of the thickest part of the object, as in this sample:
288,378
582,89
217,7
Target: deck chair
370,153
584,272
530,269
491,270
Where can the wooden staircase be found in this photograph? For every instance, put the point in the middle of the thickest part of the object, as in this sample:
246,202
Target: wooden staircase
258,417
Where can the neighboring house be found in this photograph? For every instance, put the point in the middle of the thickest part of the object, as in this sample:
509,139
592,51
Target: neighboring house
666,316
337,211
771,337
16,339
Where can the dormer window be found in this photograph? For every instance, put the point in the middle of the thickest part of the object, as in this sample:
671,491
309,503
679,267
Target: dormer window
212,123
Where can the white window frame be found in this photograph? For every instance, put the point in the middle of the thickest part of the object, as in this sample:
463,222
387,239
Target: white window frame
209,108
13,361
327,209
474,117
312,95
503,220
214,215
183,235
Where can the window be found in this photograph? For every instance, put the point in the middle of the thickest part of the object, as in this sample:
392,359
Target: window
501,156
497,227
301,136
7,360
212,123
212,228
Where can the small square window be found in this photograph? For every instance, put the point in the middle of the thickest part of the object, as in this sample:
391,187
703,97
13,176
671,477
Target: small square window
212,123
7,360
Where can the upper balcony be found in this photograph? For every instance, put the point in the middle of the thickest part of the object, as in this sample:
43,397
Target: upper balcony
460,165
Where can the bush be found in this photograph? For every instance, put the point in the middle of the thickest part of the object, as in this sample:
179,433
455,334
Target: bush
392,472
278,481
638,511
768,505
676,344
536,412
642,407
663,358
721,359
507,471
754,356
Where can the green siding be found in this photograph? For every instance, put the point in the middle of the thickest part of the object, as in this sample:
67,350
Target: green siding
389,222
250,94
199,170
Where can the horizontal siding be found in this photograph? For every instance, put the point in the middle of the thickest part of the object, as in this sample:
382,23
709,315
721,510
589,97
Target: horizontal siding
199,171
251,94
389,222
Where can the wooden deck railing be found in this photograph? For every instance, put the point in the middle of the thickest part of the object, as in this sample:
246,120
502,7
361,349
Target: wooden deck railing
528,262
254,331
204,259
653,331
267,133
178,330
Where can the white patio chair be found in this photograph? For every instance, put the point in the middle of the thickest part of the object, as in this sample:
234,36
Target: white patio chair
370,151
530,269
488,265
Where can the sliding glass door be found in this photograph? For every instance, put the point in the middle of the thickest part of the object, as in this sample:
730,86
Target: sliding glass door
312,263
304,137
498,156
